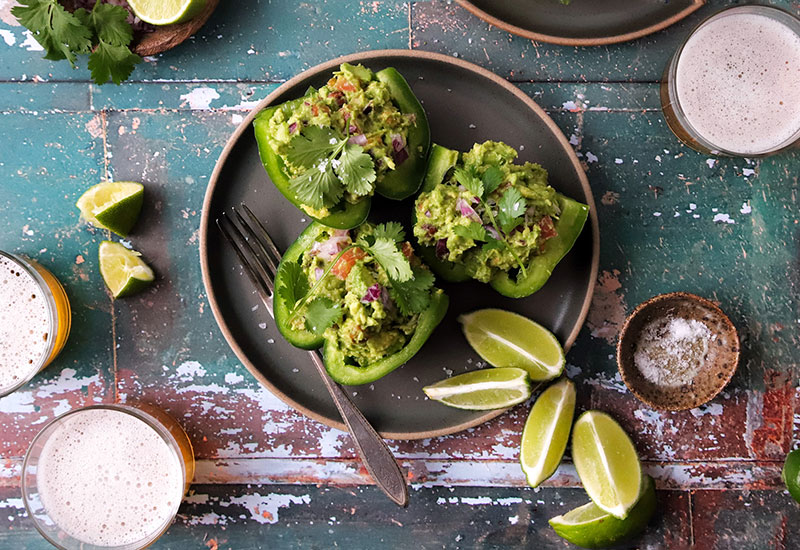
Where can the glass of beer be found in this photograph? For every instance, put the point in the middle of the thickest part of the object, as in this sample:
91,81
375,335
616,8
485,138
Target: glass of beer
35,319
107,477
733,87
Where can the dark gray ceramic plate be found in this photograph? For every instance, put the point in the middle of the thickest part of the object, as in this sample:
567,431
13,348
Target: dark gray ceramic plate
465,104
582,22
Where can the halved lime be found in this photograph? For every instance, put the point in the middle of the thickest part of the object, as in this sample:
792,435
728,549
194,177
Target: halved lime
791,472
506,339
607,463
546,432
112,205
482,390
123,270
166,12
590,527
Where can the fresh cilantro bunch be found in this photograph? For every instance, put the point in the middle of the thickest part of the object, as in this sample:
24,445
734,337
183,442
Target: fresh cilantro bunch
104,33
332,166
410,286
511,208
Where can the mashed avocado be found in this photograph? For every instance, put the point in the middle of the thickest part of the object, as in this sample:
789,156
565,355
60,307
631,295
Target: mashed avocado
447,212
354,103
372,326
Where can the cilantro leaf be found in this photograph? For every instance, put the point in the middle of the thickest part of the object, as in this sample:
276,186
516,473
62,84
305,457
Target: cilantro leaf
356,170
321,314
386,253
493,244
308,148
511,208
318,186
474,231
390,230
110,24
110,62
413,296
293,286
60,33
492,178
470,180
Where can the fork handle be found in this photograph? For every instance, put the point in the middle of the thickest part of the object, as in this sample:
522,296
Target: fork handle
375,454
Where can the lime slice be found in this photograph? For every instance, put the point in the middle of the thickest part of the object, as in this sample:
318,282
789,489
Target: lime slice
481,390
590,527
112,205
790,473
505,339
166,12
606,461
123,270
547,431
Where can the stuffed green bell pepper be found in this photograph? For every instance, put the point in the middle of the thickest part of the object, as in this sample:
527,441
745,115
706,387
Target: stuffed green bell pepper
361,295
329,151
482,216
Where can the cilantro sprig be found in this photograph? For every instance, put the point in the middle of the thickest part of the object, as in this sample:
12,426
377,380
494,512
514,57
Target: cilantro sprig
104,33
409,286
511,208
332,166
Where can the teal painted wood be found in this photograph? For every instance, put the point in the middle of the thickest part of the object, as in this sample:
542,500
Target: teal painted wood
166,128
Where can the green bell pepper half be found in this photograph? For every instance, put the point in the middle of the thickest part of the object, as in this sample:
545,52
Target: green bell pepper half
398,184
353,375
540,267
335,361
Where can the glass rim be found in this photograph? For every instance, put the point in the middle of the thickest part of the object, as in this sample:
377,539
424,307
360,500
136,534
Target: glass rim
672,71
52,316
140,414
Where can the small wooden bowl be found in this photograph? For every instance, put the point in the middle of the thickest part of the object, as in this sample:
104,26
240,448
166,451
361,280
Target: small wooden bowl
167,37
720,362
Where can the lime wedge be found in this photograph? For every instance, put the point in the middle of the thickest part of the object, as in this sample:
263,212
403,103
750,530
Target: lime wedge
590,527
791,472
166,12
505,339
482,390
112,205
606,461
546,432
123,270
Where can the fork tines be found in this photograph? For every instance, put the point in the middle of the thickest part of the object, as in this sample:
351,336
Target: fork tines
254,247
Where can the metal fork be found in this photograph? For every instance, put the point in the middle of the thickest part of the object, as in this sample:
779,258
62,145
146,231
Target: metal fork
260,259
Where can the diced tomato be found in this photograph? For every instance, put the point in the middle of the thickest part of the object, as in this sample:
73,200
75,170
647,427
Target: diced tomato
338,97
346,262
344,86
408,250
548,228
314,109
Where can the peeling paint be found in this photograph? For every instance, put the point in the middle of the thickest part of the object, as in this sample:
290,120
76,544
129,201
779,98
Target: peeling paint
607,314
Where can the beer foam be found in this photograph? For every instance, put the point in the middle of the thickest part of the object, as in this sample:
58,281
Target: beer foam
24,324
109,479
738,82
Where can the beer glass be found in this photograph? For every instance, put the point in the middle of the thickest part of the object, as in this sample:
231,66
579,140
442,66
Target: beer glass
35,321
733,86
107,477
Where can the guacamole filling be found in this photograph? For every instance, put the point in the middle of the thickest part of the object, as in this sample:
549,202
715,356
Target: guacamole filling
371,325
488,213
355,106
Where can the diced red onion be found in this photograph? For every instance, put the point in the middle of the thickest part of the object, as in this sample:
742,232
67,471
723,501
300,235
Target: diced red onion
359,139
292,127
476,200
441,249
492,231
398,143
318,273
427,213
373,293
429,229
353,128
328,249
467,211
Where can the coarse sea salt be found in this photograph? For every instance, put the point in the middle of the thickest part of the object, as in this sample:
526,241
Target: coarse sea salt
672,350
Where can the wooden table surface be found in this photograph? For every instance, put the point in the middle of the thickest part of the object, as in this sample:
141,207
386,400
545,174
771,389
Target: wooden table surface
671,219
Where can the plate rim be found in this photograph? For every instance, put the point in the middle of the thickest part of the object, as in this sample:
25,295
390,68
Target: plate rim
205,224
569,41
